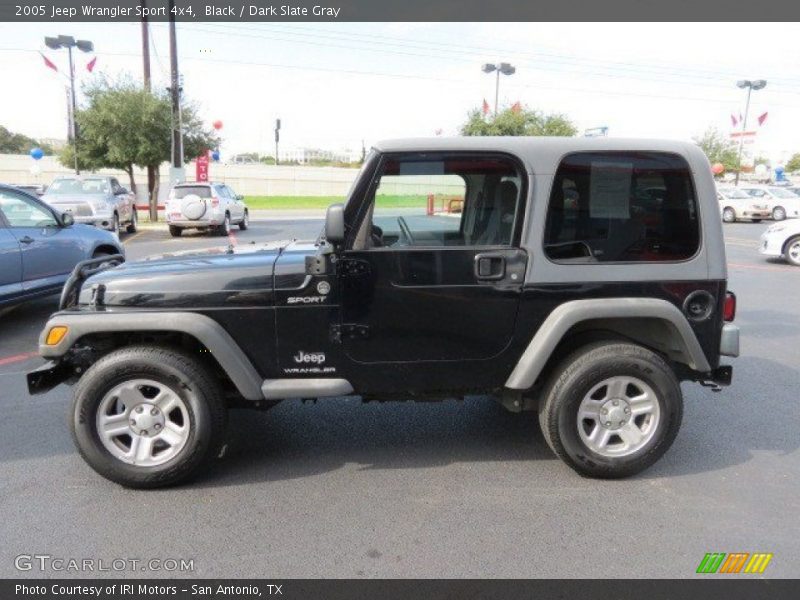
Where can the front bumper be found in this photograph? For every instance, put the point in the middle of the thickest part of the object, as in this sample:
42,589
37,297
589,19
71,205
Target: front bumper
756,214
104,221
49,375
771,244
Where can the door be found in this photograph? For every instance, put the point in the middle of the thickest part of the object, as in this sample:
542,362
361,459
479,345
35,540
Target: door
237,210
122,200
49,251
10,264
433,271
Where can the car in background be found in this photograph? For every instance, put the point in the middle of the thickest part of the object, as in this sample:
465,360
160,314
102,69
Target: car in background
94,200
782,202
782,240
39,246
36,189
736,204
205,206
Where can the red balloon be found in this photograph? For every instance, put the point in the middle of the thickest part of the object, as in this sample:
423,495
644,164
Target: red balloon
717,168
217,124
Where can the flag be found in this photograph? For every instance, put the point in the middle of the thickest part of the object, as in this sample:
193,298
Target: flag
90,64
48,63
516,108
734,120
485,106
438,132
762,118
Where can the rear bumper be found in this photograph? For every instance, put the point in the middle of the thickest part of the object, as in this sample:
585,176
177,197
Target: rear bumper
729,340
198,224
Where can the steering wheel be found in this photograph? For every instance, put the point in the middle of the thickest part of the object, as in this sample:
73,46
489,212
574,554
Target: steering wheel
404,229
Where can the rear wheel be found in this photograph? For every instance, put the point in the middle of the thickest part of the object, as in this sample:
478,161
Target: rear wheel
245,222
175,231
791,251
133,225
728,215
147,417
778,213
611,409
225,228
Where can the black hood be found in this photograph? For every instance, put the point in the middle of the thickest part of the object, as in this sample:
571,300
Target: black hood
233,276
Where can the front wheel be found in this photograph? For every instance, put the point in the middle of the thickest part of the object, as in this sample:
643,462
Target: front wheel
147,417
133,225
792,251
778,213
611,410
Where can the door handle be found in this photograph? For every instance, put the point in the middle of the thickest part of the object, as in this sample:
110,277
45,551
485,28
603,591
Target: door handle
490,266
27,240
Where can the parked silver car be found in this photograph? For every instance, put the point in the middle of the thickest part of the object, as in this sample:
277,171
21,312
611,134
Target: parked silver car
95,200
205,206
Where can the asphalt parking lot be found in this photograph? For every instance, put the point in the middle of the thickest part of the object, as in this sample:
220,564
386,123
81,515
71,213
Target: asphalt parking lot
456,489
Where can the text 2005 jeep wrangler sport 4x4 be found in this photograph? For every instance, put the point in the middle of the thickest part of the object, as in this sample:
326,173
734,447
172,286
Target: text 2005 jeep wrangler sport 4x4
580,278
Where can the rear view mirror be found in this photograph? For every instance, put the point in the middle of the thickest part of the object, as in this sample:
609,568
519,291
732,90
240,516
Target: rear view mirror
67,219
334,224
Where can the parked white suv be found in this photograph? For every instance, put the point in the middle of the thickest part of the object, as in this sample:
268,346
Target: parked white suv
205,206
783,204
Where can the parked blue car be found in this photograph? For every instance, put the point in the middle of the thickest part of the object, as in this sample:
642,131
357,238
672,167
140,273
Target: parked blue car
39,247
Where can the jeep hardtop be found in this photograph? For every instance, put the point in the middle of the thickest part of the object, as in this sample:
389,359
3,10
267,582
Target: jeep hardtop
579,279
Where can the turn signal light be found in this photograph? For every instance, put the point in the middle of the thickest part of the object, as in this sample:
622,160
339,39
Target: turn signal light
56,334
729,309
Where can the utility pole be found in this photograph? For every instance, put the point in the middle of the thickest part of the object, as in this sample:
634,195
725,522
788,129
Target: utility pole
277,139
152,189
176,174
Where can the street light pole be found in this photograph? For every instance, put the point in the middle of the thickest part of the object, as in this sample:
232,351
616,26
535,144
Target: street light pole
505,69
496,91
750,85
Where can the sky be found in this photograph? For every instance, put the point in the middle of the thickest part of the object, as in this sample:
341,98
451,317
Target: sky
336,84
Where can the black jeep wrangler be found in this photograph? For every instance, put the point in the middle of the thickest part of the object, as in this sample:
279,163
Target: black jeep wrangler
583,279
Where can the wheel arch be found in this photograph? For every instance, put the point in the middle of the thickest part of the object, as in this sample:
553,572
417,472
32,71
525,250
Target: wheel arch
209,334
651,322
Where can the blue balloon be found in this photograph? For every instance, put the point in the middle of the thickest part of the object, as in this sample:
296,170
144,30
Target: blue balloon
215,155
37,153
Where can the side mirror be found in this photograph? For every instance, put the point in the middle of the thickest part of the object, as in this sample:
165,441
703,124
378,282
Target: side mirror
239,196
334,224
67,219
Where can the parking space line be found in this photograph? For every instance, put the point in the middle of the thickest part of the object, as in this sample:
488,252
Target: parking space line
132,237
784,269
7,360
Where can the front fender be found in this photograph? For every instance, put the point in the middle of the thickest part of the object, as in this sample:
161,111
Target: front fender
207,331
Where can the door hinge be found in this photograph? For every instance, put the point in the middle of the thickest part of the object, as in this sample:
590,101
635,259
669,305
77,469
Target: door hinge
350,331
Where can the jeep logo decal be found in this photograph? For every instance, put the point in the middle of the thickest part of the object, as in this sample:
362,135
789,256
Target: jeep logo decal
313,357
304,299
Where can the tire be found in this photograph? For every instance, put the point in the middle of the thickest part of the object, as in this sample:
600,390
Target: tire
755,220
115,224
175,231
190,396
133,225
778,213
578,384
225,228
728,215
245,222
791,251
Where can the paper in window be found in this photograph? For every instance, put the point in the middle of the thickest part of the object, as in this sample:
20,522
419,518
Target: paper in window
610,190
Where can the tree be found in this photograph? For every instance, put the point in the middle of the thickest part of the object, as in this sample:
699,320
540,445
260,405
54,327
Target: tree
793,164
123,126
17,143
518,122
719,149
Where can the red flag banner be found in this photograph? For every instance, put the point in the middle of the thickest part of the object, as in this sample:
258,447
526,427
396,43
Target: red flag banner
485,106
734,120
90,65
48,63
516,108
762,118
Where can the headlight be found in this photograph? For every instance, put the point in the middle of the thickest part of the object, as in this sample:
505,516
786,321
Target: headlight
775,228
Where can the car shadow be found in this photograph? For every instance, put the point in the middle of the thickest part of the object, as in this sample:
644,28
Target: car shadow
295,440
20,325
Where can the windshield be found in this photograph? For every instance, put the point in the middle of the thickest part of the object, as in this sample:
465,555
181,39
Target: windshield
79,186
735,193
782,193
203,191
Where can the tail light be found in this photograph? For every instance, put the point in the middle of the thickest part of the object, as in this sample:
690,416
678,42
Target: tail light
214,200
729,308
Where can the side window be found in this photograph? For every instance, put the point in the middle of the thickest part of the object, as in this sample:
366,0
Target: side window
231,193
431,201
622,207
222,191
116,188
24,212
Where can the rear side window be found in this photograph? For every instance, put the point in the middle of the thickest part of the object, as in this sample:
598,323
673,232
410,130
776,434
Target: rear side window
622,207
198,190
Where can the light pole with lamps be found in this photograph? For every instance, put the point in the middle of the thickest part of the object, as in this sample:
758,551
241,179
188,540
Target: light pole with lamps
505,69
758,84
69,42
